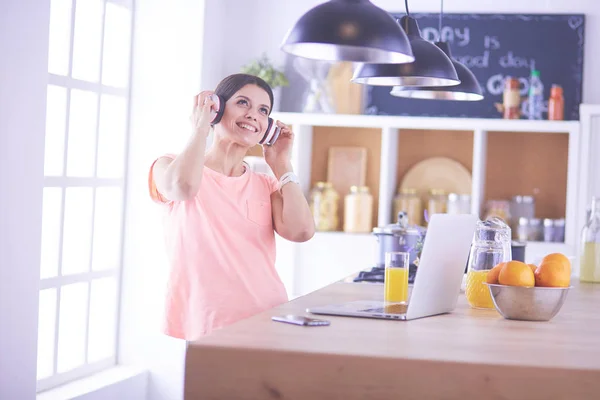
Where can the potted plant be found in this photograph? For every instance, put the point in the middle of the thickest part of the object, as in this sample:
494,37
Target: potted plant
264,68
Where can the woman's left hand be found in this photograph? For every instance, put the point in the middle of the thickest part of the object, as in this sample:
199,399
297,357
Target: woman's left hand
278,156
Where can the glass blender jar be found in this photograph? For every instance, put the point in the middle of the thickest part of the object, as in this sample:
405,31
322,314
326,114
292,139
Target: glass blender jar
491,246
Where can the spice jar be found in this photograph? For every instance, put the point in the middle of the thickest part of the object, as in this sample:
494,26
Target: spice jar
324,204
535,231
358,210
437,202
408,200
511,99
459,203
556,104
499,209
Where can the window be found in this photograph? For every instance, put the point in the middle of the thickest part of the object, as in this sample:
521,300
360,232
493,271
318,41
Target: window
83,199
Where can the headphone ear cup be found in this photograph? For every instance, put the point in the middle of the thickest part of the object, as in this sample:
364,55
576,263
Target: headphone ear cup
220,108
276,133
271,134
266,134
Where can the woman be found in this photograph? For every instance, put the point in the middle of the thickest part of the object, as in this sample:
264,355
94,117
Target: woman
221,216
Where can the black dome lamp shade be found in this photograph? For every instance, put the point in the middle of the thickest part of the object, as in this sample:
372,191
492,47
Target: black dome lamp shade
348,30
467,90
431,67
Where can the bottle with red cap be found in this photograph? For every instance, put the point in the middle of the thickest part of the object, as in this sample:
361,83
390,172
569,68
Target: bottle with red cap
556,104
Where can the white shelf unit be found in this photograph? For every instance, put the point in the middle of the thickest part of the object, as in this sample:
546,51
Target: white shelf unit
309,259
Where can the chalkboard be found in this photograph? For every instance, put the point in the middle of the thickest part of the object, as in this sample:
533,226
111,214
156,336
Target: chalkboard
494,46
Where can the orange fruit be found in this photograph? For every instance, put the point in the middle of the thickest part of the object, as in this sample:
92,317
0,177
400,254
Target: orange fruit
492,275
559,257
516,273
553,273
533,267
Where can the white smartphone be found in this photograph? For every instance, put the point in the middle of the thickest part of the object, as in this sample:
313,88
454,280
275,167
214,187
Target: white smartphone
300,320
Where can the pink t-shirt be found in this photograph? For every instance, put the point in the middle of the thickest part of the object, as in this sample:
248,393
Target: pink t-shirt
221,246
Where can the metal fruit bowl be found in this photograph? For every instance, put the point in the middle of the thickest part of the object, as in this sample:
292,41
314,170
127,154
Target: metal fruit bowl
528,303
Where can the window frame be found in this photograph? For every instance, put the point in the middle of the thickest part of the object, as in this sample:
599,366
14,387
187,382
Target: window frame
63,182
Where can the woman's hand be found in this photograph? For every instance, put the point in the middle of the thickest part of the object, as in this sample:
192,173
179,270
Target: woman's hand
202,113
279,155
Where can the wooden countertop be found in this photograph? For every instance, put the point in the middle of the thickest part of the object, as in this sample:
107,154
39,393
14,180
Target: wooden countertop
466,354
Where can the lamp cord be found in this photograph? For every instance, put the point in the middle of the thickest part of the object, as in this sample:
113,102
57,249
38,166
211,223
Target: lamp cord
441,16
406,6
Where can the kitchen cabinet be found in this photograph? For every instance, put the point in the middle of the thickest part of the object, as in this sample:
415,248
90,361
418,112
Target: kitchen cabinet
325,137
505,158
518,162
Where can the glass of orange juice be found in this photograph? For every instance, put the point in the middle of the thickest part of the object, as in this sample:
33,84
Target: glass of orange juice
396,277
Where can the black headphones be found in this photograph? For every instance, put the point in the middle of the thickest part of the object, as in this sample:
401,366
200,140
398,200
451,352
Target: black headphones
271,134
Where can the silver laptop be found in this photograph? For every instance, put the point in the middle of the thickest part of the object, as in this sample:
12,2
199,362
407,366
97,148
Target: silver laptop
439,275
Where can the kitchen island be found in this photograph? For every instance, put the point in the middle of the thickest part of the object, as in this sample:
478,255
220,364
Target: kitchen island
465,354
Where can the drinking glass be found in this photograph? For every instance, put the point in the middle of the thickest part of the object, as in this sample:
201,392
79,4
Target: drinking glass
396,277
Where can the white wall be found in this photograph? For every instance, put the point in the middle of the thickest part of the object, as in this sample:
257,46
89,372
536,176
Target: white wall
262,25
23,75
166,74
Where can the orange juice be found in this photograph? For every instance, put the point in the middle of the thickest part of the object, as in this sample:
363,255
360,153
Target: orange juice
477,293
396,285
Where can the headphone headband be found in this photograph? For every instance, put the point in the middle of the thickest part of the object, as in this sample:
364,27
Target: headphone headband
271,133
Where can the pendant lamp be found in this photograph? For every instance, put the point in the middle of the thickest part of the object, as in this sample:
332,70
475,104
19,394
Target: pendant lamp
431,67
348,30
468,89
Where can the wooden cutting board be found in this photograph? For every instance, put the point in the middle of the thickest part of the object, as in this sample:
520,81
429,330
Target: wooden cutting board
346,167
438,173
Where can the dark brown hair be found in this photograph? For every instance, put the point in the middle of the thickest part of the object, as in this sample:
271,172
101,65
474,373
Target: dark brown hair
231,84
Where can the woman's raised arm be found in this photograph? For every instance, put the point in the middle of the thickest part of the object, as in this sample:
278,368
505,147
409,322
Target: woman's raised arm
179,178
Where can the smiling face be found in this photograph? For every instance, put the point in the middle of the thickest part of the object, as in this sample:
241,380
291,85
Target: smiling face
246,116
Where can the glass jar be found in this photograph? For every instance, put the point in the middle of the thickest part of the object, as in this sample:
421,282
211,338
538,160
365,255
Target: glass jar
535,231
554,230
437,203
559,230
499,209
358,210
522,229
324,205
459,203
589,264
491,246
408,200
520,207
